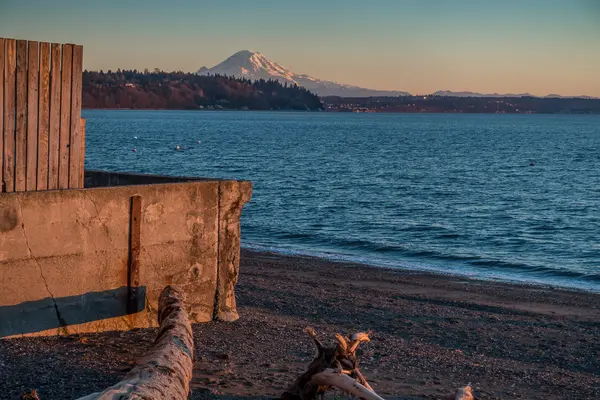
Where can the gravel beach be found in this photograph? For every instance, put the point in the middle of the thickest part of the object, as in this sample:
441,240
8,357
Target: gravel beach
432,334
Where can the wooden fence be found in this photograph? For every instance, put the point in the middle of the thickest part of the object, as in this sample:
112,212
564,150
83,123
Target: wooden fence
43,135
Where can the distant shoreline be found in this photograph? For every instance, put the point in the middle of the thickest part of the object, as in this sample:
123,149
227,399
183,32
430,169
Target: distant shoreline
198,109
333,112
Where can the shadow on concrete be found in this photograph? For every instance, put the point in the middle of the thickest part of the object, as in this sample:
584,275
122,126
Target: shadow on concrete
96,178
50,313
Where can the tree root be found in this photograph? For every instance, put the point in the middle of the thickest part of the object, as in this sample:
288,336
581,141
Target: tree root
337,367
333,367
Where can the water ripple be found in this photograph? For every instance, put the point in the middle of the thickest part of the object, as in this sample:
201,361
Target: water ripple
451,193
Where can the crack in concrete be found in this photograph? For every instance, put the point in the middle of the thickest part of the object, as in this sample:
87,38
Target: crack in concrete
100,221
95,206
88,225
97,211
62,323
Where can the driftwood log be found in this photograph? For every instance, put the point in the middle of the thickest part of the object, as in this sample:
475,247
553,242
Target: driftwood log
165,371
337,367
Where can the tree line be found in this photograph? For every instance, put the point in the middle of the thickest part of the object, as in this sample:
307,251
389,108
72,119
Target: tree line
180,90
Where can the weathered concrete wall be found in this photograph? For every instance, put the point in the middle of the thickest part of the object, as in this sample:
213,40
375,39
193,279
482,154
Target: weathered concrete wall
65,256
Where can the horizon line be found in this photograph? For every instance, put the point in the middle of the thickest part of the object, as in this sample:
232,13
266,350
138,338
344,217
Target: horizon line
417,94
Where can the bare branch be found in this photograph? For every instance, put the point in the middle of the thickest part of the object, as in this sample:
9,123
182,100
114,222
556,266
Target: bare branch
342,342
464,393
362,336
330,377
362,380
311,332
357,339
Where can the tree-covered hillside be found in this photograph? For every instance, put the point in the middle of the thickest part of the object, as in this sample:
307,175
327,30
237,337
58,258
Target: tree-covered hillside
179,90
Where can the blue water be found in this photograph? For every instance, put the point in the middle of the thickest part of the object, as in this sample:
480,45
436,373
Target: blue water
449,193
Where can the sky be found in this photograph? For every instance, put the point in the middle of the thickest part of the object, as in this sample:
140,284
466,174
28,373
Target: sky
419,46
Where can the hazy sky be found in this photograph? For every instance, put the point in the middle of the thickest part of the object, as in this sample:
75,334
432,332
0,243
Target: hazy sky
536,46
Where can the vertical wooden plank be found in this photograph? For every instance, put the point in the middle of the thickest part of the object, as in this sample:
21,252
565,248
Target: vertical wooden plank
82,155
44,117
133,266
33,59
75,139
9,114
21,119
1,115
65,116
54,121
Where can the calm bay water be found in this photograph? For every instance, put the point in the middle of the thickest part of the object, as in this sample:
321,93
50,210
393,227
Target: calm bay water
449,193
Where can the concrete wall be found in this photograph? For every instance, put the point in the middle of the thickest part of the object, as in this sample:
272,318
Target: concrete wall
66,256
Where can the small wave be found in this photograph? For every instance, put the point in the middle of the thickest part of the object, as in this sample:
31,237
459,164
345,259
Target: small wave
429,254
571,274
501,264
295,236
588,282
449,236
592,277
543,228
388,249
422,228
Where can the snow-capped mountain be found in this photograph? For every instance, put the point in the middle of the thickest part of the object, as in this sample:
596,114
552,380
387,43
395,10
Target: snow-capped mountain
252,65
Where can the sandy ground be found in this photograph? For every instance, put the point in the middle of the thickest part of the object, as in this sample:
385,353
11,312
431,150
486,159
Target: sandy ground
432,334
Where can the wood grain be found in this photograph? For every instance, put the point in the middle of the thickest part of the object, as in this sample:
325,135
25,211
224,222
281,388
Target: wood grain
43,117
10,66
21,118
75,138
165,371
65,116
33,60
82,158
54,120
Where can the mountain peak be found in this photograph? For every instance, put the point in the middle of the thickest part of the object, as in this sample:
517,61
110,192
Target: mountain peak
254,65
243,54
